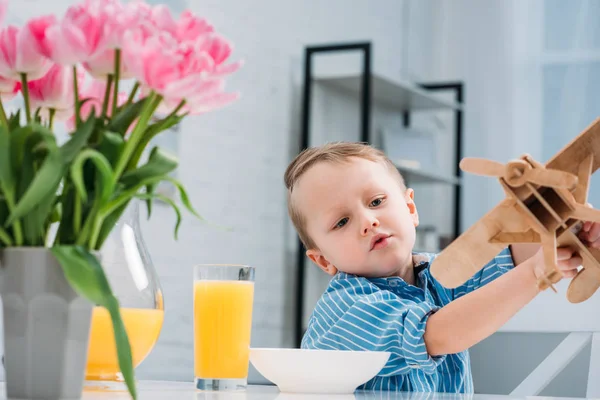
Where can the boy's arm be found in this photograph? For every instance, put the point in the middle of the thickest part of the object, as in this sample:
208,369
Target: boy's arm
475,316
523,251
471,318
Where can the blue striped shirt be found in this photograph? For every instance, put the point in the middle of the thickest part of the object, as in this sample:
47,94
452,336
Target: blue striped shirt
387,314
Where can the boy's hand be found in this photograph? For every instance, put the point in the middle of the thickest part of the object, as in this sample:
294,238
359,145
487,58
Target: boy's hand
567,262
590,234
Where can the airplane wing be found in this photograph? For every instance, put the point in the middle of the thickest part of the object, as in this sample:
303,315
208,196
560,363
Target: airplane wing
580,157
469,253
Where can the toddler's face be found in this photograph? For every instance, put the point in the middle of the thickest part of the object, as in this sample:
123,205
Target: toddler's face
361,220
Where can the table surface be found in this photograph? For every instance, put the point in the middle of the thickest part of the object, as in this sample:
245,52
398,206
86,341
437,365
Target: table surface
154,390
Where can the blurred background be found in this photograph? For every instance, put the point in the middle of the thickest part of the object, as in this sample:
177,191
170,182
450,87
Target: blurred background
493,79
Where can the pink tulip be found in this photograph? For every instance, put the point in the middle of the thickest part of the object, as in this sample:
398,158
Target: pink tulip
85,32
187,27
203,103
3,7
207,95
162,19
119,19
38,29
103,64
19,54
8,88
190,27
55,91
178,70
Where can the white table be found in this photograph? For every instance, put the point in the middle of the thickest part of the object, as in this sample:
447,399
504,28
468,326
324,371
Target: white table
155,390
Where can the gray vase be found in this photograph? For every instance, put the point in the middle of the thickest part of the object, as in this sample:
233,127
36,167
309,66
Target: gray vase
46,327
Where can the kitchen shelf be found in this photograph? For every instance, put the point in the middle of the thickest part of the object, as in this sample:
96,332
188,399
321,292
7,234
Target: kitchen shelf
416,175
397,94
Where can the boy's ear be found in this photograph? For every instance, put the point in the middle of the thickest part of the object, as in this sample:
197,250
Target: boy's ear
317,257
412,207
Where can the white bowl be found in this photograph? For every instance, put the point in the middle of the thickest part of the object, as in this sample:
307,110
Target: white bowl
317,371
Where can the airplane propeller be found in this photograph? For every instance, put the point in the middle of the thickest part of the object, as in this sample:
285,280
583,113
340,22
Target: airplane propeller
518,172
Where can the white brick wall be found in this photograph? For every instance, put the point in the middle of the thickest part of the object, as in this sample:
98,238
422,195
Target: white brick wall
232,161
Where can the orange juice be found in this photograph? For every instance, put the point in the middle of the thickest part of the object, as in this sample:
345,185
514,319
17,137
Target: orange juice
143,327
222,324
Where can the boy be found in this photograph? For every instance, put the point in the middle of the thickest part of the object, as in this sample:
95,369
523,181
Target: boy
357,221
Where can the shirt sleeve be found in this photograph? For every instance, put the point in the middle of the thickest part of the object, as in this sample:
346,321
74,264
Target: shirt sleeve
499,265
356,315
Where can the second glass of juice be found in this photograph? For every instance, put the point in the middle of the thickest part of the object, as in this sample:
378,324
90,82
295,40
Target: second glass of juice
223,300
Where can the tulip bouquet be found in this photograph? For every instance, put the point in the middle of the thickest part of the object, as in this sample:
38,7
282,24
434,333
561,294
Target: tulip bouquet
71,70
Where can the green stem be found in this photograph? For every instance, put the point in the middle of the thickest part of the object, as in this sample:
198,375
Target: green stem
3,117
176,110
96,231
76,94
5,237
25,91
151,103
117,77
77,214
51,118
133,92
87,226
109,81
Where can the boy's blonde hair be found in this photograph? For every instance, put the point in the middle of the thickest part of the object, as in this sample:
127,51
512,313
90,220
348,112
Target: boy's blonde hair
336,152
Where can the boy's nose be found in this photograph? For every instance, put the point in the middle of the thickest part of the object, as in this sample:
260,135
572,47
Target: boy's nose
370,223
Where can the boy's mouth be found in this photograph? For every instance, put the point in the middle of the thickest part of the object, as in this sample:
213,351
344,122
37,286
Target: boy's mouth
379,241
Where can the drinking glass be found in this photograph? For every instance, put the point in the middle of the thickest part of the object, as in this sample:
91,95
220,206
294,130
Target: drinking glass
223,302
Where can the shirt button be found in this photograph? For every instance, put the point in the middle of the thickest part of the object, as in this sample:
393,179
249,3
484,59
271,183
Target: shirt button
393,283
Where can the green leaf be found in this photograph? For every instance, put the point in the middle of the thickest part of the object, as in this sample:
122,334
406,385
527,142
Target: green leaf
3,209
44,184
149,134
122,120
29,137
86,277
47,180
105,186
111,146
56,213
159,164
79,140
150,188
7,178
14,121
184,197
109,223
163,125
167,200
66,234
5,239
36,222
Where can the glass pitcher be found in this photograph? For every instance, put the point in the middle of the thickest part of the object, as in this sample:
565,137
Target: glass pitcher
134,282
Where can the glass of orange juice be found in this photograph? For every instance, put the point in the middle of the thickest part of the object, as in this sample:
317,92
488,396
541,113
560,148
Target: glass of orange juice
223,300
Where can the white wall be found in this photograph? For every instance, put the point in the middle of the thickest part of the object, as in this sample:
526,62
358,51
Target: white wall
233,161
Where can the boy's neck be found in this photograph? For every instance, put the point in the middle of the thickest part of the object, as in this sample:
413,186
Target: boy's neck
408,275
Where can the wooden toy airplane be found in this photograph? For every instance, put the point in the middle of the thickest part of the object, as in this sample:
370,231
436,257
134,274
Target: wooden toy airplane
544,204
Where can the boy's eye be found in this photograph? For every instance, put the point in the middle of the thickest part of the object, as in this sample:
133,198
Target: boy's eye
341,223
376,202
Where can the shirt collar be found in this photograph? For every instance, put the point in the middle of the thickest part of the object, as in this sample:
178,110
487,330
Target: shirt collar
420,263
